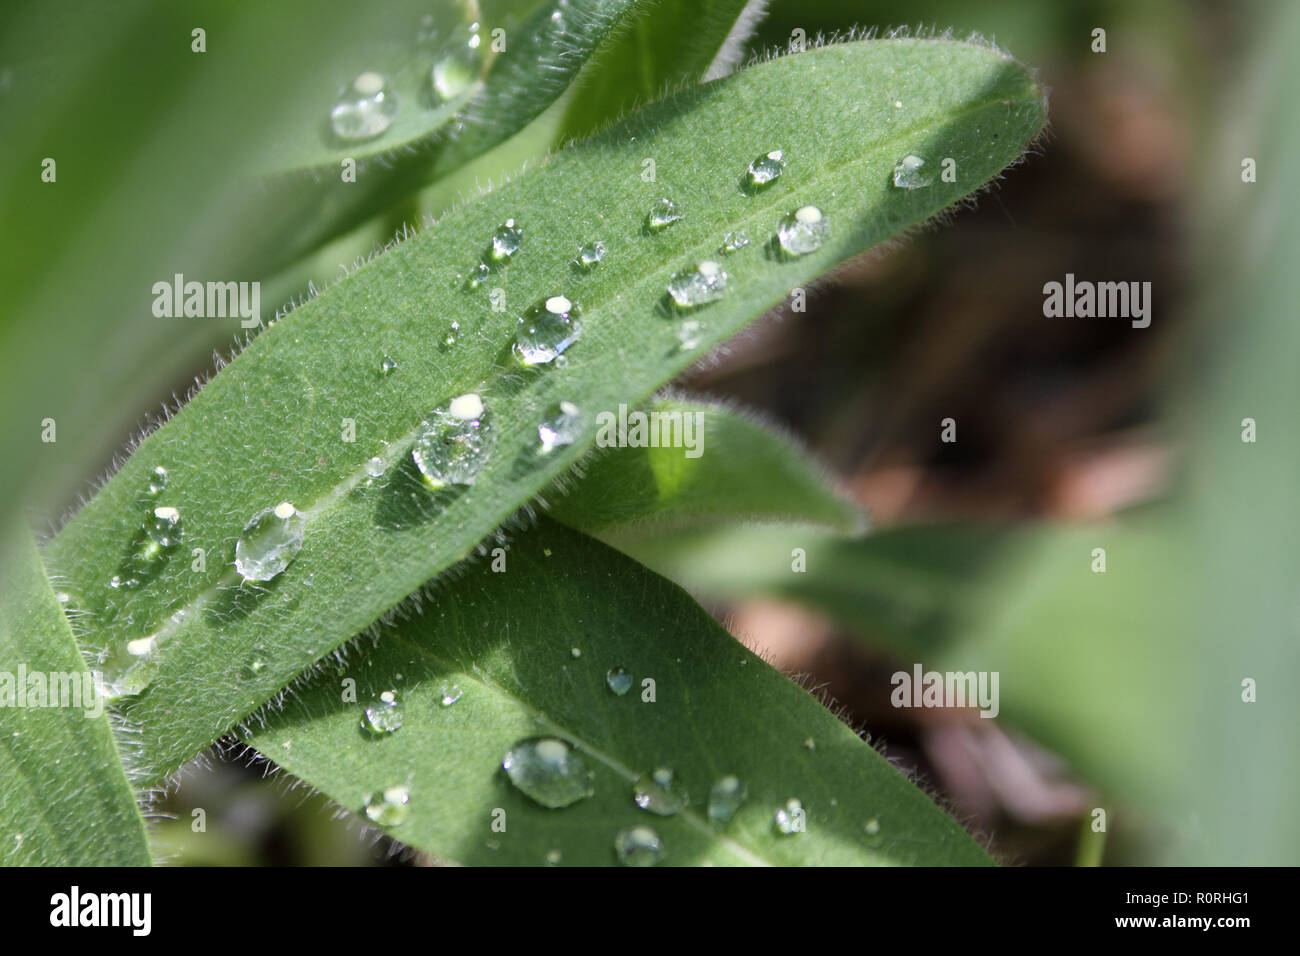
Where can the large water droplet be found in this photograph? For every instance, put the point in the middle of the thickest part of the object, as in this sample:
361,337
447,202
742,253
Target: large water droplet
454,443
505,241
383,715
790,819
662,215
765,170
390,807
659,792
269,542
705,283
365,110
589,256
725,799
548,770
546,330
127,668
803,231
559,428
908,174
618,680
638,846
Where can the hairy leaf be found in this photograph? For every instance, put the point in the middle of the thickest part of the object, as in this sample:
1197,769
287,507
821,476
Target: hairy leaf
273,426
529,650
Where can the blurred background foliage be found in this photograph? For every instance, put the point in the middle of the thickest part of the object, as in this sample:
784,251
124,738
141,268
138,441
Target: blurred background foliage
1119,690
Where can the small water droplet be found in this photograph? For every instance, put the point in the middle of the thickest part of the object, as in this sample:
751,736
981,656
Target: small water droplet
269,542
153,486
872,827
375,467
765,170
575,651
618,680
908,174
705,283
390,807
803,231
789,819
383,715
659,793
689,335
127,668
387,365
548,770
449,694
638,846
589,256
365,110
454,443
505,242
457,66
725,799
733,242
810,744
560,428
553,857
546,330
452,335
662,215
150,547
478,275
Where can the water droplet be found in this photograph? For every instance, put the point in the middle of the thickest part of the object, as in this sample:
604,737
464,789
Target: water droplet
803,231
765,170
733,242
365,110
548,770
810,744
505,241
449,694
269,542
127,668
618,680
546,330
662,215
638,846
452,334
150,547
589,256
692,288
454,443
153,486
660,793
455,68
559,428
908,175
383,715
478,275
388,365
689,335
391,807
790,818
872,827
725,799
553,857
375,467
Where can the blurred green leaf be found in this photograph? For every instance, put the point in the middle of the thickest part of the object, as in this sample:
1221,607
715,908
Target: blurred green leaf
528,652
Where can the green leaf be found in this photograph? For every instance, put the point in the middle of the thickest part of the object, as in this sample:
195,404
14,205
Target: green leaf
64,795
269,428
734,470
507,640
655,53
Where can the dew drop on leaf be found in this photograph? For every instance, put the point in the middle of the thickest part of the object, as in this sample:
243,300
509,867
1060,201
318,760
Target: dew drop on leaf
725,799
589,256
803,231
618,680
478,275
390,807
548,770
692,288
456,66
638,846
908,174
375,467
505,241
269,542
449,694
365,110
733,242
559,428
689,335
453,444
659,793
789,820
383,715
387,365
765,170
546,330
662,215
